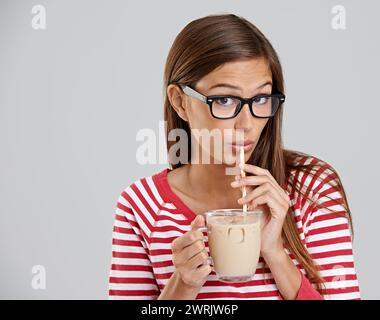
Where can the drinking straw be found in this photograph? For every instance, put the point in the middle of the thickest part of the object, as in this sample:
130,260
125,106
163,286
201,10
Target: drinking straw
242,174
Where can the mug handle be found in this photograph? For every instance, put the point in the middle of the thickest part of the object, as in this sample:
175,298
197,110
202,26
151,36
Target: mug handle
209,259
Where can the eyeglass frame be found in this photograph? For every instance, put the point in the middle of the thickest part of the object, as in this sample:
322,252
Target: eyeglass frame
210,99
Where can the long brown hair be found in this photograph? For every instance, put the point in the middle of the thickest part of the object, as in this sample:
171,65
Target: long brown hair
203,45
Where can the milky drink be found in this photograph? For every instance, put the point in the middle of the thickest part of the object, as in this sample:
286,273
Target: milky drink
234,243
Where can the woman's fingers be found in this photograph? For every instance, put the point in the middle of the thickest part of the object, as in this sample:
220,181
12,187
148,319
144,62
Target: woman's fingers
188,252
277,209
266,188
196,261
260,180
187,239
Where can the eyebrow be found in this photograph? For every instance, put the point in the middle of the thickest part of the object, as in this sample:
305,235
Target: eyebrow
227,85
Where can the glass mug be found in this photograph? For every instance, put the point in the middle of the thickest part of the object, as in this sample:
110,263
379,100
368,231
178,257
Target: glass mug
234,241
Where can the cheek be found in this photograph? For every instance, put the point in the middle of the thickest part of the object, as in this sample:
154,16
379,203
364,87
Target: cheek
200,117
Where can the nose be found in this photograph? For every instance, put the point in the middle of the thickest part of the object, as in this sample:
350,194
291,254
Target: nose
244,119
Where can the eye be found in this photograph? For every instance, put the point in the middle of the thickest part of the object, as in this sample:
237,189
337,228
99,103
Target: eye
226,101
261,100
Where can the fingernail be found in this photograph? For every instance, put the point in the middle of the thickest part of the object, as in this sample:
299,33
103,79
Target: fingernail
234,183
240,200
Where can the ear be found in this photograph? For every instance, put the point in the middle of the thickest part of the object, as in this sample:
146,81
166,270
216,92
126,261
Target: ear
177,100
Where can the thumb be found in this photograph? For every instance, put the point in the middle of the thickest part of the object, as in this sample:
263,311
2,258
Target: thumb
198,222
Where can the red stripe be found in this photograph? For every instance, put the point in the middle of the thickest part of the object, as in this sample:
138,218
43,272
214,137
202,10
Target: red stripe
169,228
131,243
158,252
314,178
125,267
144,201
123,230
138,211
132,280
161,264
336,265
342,290
123,207
328,216
150,193
328,242
330,177
328,229
333,253
129,255
340,277
133,292
126,220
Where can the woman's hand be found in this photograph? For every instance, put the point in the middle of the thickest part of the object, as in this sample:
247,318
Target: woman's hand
190,256
269,196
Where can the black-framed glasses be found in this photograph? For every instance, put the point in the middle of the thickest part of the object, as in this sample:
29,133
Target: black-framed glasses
228,107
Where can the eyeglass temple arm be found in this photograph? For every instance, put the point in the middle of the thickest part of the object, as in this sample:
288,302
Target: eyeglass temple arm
191,92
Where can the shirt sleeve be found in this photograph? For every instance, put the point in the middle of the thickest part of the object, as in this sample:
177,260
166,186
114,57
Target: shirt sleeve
131,274
307,291
328,240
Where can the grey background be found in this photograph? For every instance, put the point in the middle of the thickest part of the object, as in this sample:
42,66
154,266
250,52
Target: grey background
71,105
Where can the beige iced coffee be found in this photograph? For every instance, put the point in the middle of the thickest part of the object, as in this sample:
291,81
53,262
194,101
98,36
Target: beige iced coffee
234,243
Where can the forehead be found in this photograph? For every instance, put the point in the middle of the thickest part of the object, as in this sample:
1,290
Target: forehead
242,73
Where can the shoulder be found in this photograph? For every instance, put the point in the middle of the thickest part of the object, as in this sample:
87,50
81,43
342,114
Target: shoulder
143,192
312,181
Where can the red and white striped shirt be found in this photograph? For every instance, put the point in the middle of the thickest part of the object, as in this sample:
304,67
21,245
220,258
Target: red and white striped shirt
149,216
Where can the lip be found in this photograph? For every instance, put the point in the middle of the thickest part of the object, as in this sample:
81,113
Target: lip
246,147
243,143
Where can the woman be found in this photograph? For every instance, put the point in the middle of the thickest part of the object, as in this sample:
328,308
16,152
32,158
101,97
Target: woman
221,73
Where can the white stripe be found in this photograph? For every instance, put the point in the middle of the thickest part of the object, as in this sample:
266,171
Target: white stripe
142,208
160,246
330,247
145,195
337,272
125,236
328,209
169,205
131,261
161,257
335,260
165,223
328,223
131,274
328,235
154,190
121,248
343,284
176,216
122,224
343,296
166,234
